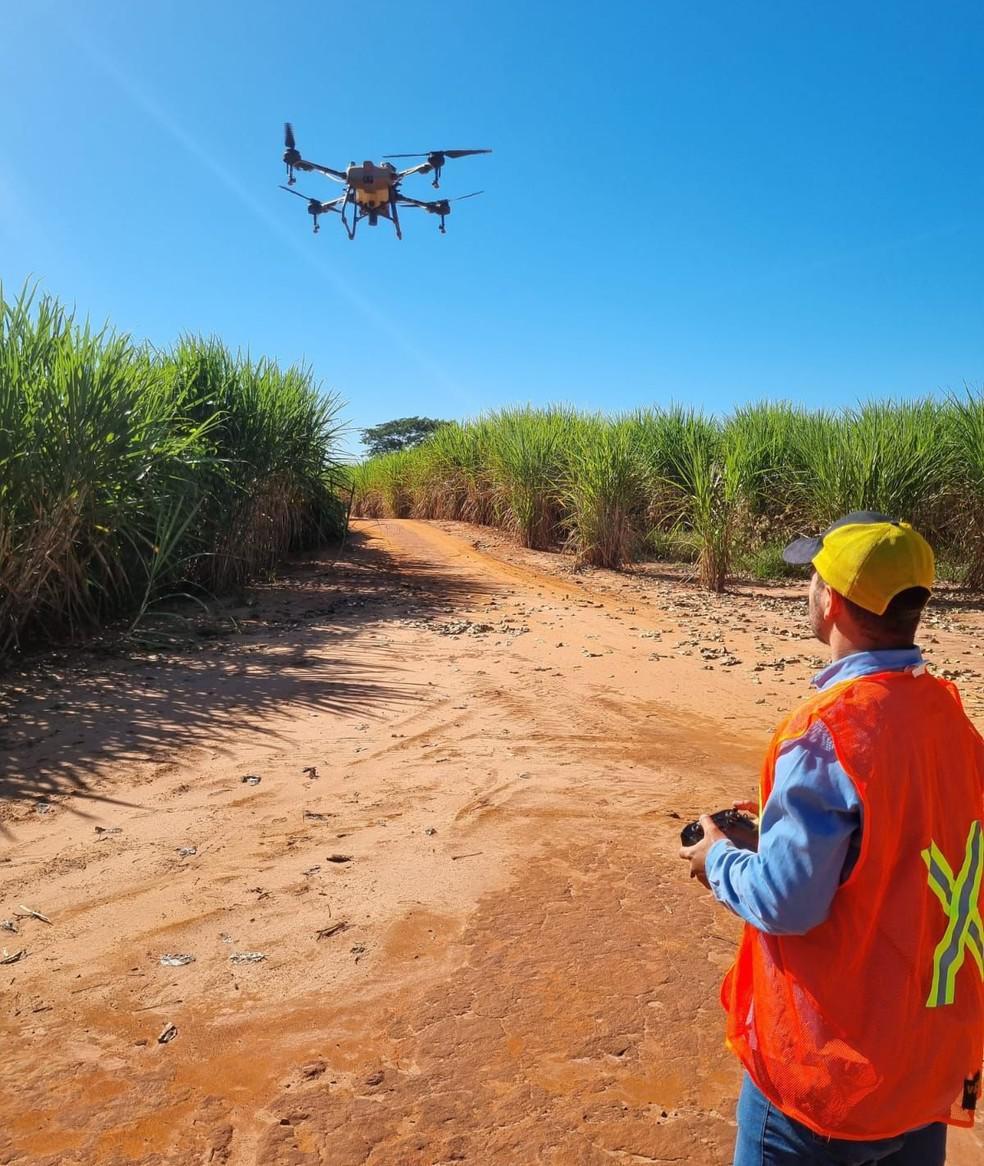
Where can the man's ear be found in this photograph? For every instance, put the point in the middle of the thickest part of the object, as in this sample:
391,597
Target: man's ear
833,604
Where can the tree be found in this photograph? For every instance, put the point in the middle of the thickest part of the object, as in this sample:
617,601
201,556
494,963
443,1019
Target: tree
403,433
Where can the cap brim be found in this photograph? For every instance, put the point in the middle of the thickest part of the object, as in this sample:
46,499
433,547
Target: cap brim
802,551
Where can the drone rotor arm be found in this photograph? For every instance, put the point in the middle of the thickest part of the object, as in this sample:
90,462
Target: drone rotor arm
405,200
303,164
423,168
435,204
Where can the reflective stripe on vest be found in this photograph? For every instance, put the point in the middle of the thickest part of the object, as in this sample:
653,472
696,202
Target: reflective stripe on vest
959,895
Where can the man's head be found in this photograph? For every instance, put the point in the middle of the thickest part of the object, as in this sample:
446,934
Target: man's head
872,578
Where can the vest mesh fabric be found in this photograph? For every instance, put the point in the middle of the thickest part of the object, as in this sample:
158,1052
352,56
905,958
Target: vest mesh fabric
836,1026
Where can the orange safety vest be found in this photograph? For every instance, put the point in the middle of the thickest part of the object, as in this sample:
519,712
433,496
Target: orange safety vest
872,1023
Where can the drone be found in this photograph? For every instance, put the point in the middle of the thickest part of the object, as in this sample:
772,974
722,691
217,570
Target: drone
373,189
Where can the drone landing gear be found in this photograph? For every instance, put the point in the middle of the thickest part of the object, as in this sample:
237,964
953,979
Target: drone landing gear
396,221
350,229
441,227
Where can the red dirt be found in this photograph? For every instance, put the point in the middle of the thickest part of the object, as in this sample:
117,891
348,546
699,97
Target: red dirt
506,749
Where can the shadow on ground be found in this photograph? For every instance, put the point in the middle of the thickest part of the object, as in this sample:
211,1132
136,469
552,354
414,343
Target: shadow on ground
63,715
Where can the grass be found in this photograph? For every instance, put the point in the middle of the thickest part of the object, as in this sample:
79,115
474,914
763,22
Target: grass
670,546
966,427
601,493
526,463
766,564
725,493
127,473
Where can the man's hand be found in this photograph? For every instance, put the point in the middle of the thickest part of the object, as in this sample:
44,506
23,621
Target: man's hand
697,855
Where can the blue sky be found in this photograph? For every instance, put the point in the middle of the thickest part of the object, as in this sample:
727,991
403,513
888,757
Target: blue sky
706,202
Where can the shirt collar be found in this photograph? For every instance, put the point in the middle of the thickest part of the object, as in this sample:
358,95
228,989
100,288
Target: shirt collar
864,663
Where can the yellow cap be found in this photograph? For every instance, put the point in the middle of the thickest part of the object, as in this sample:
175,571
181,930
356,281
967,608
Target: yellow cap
869,562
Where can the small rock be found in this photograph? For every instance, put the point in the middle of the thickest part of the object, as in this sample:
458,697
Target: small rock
176,960
247,957
250,779
169,1032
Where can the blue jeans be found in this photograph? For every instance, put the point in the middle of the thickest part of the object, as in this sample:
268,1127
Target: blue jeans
767,1137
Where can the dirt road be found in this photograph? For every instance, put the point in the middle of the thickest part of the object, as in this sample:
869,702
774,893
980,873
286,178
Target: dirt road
479,945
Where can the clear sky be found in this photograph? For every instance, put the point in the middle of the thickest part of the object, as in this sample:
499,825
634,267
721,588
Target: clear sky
709,202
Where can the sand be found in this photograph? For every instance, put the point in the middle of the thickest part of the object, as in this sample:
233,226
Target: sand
504,752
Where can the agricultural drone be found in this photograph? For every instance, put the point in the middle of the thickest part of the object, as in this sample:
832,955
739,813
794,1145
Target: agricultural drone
373,189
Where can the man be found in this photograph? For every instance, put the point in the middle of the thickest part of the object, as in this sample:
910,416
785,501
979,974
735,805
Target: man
856,1002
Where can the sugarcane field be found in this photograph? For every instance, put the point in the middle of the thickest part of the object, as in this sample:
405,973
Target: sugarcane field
497,683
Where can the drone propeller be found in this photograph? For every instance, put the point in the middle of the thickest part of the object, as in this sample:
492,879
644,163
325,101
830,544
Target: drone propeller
435,159
291,156
298,194
315,206
439,153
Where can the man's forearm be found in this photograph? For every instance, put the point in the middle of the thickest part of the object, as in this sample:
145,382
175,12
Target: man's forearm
805,838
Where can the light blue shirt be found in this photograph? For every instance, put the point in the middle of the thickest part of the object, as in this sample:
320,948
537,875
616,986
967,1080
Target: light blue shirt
810,831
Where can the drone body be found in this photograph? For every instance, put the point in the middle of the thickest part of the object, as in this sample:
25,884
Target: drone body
373,189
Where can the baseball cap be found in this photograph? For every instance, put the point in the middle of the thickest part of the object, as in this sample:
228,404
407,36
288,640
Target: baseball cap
868,557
